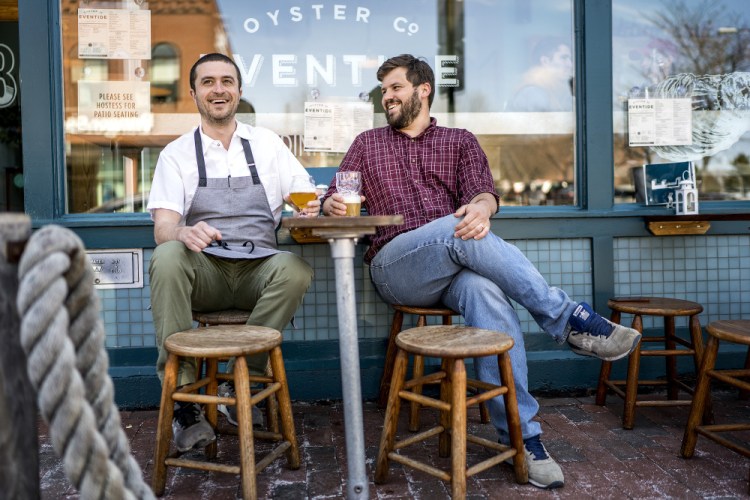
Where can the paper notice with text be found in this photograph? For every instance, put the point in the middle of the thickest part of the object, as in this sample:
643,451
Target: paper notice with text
114,107
114,34
660,122
332,126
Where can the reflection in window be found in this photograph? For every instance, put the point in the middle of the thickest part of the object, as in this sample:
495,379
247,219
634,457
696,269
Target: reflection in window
88,69
514,92
165,73
530,70
691,49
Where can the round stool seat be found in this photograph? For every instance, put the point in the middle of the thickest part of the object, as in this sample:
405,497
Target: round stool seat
453,341
737,330
223,341
656,306
227,317
425,311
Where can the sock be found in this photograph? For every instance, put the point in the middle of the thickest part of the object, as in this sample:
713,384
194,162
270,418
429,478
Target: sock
584,319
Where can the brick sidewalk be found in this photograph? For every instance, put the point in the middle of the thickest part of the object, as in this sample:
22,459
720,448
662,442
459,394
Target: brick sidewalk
598,457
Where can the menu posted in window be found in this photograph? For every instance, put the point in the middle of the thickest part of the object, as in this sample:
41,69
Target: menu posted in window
114,34
660,122
332,126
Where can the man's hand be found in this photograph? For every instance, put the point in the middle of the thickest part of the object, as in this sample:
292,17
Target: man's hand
475,222
196,238
335,205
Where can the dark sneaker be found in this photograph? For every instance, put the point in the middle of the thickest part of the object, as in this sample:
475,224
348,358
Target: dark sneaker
543,470
593,335
226,390
190,428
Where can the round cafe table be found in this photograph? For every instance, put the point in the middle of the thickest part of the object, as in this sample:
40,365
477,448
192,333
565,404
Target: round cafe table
342,234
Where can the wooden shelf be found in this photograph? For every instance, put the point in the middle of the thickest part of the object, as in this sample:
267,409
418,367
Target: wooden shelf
673,228
672,225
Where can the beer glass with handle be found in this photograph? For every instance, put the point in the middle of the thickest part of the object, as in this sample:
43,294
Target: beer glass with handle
302,191
348,184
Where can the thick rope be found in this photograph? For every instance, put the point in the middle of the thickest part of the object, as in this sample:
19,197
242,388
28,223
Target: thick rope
63,338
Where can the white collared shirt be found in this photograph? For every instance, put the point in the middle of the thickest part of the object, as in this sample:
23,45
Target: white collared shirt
176,174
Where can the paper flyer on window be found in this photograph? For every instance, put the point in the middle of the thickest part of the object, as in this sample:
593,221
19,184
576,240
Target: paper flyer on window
114,107
114,34
660,122
332,126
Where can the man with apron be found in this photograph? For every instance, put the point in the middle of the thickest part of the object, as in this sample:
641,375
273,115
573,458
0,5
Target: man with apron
216,200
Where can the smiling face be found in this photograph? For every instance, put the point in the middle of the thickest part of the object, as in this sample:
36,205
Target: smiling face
401,100
217,91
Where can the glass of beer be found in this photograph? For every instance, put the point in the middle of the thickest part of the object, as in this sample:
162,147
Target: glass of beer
348,185
302,191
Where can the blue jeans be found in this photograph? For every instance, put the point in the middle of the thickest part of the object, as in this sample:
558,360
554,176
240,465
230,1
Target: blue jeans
477,278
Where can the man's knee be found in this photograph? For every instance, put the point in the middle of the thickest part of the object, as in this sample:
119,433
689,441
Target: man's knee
168,258
293,271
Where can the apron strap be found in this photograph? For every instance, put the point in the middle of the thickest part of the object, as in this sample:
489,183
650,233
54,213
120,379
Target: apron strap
200,159
202,162
250,160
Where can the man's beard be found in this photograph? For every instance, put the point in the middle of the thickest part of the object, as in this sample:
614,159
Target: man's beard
223,119
408,113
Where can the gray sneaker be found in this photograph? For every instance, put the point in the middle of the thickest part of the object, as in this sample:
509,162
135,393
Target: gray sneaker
544,472
593,335
226,390
190,428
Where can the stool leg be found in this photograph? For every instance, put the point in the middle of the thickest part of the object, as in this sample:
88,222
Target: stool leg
164,428
388,435
670,361
745,394
702,392
605,371
601,388
285,407
631,383
417,371
272,405
696,337
520,467
458,428
390,357
444,439
211,413
245,428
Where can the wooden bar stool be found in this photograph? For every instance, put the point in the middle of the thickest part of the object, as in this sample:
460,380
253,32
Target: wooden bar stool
452,344
669,309
238,317
226,317
738,332
418,366
214,343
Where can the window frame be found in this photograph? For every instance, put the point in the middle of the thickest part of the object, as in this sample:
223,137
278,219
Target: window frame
42,106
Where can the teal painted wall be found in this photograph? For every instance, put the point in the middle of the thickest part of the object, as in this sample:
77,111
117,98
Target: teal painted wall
712,270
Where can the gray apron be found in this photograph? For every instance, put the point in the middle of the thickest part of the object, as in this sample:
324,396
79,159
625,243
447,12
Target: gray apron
237,207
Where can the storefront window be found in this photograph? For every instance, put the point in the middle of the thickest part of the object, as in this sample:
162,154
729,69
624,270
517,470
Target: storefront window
127,94
11,177
692,51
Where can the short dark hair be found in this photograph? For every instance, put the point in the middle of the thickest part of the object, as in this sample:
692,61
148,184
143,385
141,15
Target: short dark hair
214,56
417,71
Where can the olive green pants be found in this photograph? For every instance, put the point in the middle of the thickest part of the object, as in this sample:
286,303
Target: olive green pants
182,281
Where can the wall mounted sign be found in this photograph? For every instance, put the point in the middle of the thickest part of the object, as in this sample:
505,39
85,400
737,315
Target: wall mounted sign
117,268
